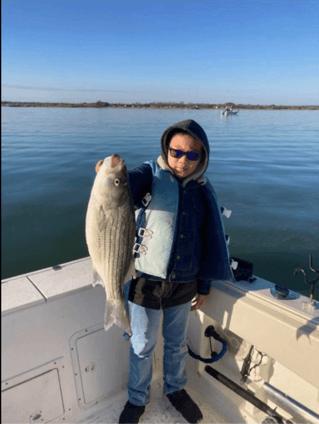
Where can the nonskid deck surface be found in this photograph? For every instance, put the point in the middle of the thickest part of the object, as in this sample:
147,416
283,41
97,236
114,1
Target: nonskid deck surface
159,409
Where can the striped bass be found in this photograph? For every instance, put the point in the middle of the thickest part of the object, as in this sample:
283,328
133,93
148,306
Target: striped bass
110,234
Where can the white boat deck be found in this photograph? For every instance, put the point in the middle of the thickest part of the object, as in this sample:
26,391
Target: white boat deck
59,365
159,410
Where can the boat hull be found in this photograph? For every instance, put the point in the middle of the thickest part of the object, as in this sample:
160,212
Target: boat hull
227,113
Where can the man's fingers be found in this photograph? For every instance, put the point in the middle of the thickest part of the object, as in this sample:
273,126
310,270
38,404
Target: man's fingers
198,302
196,305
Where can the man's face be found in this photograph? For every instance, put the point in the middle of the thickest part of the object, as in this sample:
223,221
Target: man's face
183,167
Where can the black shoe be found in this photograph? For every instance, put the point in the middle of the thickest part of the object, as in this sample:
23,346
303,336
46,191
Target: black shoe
131,414
186,406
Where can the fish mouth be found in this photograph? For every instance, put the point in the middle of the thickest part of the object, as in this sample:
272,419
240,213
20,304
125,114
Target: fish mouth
114,163
117,164
115,160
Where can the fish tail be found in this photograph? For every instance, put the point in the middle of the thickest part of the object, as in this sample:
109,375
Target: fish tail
115,313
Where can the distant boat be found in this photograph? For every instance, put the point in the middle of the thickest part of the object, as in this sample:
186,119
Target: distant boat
229,111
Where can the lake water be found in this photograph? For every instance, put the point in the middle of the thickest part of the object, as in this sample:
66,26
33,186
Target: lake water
264,166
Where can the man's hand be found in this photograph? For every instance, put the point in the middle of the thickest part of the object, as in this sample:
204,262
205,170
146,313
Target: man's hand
198,302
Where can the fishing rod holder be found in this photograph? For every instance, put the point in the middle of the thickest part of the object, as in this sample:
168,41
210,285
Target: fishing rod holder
313,303
272,415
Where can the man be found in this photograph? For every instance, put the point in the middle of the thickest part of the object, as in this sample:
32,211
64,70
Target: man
180,249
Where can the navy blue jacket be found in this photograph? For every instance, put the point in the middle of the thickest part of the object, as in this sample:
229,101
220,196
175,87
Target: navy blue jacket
199,251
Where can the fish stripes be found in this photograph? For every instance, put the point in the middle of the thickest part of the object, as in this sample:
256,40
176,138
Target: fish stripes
110,234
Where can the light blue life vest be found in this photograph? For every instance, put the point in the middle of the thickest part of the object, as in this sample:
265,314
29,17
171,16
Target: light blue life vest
156,222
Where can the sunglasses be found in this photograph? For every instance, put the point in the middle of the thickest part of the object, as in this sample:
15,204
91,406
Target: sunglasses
192,156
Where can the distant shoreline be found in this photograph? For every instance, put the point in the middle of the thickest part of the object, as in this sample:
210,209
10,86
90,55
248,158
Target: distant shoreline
156,105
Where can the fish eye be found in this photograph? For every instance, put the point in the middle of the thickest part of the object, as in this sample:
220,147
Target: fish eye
117,182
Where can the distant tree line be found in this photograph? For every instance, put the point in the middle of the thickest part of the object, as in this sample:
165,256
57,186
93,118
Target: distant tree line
155,105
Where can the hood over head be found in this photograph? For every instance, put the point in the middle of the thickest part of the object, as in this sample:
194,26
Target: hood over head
196,131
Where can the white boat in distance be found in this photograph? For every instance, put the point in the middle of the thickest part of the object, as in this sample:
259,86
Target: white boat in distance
229,111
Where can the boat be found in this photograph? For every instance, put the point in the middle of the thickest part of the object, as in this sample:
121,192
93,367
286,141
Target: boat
253,351
229,111
59,365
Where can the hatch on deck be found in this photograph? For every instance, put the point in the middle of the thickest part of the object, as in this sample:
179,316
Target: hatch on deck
97,369
36,400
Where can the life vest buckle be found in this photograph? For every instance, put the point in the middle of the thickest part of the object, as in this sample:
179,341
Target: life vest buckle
146,200
226,212
139,248
144,233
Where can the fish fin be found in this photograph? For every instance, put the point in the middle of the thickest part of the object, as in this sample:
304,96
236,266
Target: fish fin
115,313
97,280
131,273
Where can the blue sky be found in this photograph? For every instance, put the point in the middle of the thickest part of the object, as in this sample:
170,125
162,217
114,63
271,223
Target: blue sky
216,51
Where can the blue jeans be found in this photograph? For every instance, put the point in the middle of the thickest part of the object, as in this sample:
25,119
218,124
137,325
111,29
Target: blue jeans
144,323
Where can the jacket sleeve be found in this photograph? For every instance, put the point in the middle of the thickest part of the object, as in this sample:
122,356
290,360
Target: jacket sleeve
140,179
203,286
214,262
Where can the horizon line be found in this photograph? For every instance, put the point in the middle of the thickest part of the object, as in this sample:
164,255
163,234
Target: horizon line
170,103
